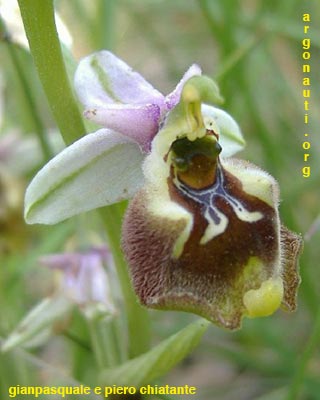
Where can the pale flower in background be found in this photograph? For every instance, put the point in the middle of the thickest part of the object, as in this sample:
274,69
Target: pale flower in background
82,281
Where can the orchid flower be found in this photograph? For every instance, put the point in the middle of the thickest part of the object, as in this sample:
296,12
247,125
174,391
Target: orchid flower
202,232
82,282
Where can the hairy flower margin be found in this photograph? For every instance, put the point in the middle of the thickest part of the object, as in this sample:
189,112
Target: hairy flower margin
202,232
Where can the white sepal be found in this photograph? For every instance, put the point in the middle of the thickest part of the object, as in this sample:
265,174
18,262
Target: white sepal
97,170
102,78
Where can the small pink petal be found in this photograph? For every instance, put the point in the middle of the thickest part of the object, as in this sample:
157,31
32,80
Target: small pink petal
173,98
139,123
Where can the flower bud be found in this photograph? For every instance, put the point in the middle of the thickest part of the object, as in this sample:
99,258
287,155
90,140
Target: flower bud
84,281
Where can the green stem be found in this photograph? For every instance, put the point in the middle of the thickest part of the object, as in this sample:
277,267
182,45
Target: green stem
106,17
298,378
32,109
137,317
27,93
102,339
38,19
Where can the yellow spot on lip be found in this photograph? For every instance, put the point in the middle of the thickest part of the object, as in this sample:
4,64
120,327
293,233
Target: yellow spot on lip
265,300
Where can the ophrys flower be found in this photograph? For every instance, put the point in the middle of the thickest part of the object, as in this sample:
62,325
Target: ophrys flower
202,232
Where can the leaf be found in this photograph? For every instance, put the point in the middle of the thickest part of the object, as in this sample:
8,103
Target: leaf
34,326
158,361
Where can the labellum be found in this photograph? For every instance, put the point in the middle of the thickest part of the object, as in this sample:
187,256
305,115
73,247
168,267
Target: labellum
204,234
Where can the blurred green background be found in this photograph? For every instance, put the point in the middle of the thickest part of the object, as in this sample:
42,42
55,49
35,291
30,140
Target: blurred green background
254,51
